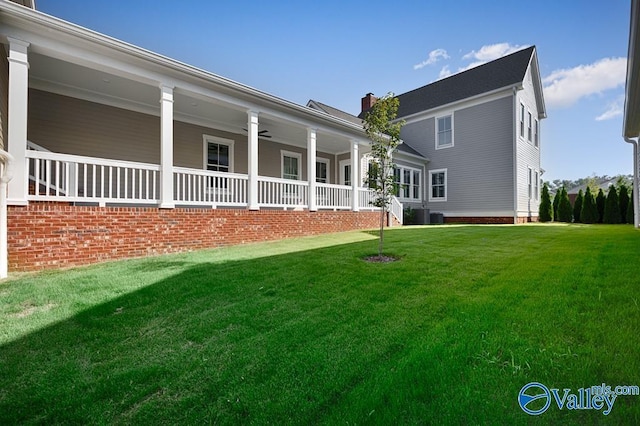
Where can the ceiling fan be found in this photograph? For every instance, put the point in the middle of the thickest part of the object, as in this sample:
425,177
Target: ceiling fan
261,133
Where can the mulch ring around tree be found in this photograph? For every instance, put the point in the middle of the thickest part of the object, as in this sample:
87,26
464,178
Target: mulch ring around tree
380,258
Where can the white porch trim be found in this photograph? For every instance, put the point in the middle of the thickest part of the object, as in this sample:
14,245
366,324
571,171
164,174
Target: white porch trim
166,147
355,175
311,168
17,120
252,140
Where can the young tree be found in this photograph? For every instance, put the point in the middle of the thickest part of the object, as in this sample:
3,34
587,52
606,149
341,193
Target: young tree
623,199
577,207
556,203
545,211
600,205
589,212
565,213
384,134
612,207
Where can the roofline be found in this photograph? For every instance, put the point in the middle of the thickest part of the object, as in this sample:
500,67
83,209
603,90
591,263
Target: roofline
52,23
506,89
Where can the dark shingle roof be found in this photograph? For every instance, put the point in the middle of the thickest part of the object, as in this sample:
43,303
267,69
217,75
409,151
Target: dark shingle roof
503,72
334,112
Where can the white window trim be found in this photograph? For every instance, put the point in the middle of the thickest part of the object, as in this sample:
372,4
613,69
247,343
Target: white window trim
521,122
536,133
328,163
446,187
529,125
530,182
439,116
206,139
536,185
342,178
411,184
290,154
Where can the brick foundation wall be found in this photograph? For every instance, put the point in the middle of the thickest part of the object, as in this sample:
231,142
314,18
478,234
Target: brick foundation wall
42,236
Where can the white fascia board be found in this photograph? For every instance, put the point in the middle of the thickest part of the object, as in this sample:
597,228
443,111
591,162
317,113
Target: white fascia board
45,25
463,103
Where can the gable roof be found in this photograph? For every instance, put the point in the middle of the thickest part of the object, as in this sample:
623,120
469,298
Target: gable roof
334,112
403,147
504,72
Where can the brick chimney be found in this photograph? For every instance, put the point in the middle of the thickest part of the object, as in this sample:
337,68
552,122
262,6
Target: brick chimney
368,101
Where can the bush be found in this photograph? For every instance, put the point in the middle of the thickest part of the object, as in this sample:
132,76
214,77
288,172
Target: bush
630,211
612,207
623,199
545,211
577,207
589,212
556,203
565,212
600,205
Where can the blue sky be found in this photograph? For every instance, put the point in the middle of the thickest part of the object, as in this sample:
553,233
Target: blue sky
337,51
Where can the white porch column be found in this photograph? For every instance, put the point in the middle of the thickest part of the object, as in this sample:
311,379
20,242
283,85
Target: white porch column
355,176
311,168
17,120
166,147
252,139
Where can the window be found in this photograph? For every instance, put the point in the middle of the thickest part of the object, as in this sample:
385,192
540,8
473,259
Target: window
291,165
529,126
322,167
372,174
408,182
522,120
218,154
438,184
536,184
536,141
345,172
444,131
530,182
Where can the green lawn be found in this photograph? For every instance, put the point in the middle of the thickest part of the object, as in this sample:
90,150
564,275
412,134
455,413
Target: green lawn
305,332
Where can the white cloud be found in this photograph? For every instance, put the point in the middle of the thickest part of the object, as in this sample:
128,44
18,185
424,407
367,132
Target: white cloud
489,52
564,87
434,56
444,72
614,109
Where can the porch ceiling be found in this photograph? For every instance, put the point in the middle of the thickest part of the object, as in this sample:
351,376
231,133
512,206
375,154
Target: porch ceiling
70,79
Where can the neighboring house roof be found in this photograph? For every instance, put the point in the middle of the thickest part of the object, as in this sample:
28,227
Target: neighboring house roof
604,185
404,148
508,71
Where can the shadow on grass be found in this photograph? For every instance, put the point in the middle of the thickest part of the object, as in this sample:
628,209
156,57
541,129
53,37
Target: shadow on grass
210,343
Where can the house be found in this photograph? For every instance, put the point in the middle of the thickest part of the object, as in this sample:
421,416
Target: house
471,142
631,121
120,152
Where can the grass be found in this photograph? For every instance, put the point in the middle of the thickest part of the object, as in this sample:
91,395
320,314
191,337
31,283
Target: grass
305,332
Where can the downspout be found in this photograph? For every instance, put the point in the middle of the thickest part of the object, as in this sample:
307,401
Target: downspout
515,155
636,218
7,174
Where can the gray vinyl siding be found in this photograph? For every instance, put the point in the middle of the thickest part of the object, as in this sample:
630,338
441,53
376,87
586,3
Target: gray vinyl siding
72,126
4,96
528,156
479,165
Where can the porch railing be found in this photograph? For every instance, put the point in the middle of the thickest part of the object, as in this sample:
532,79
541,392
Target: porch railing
203,187
62,177
285,193
329,196
74,178
397,209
